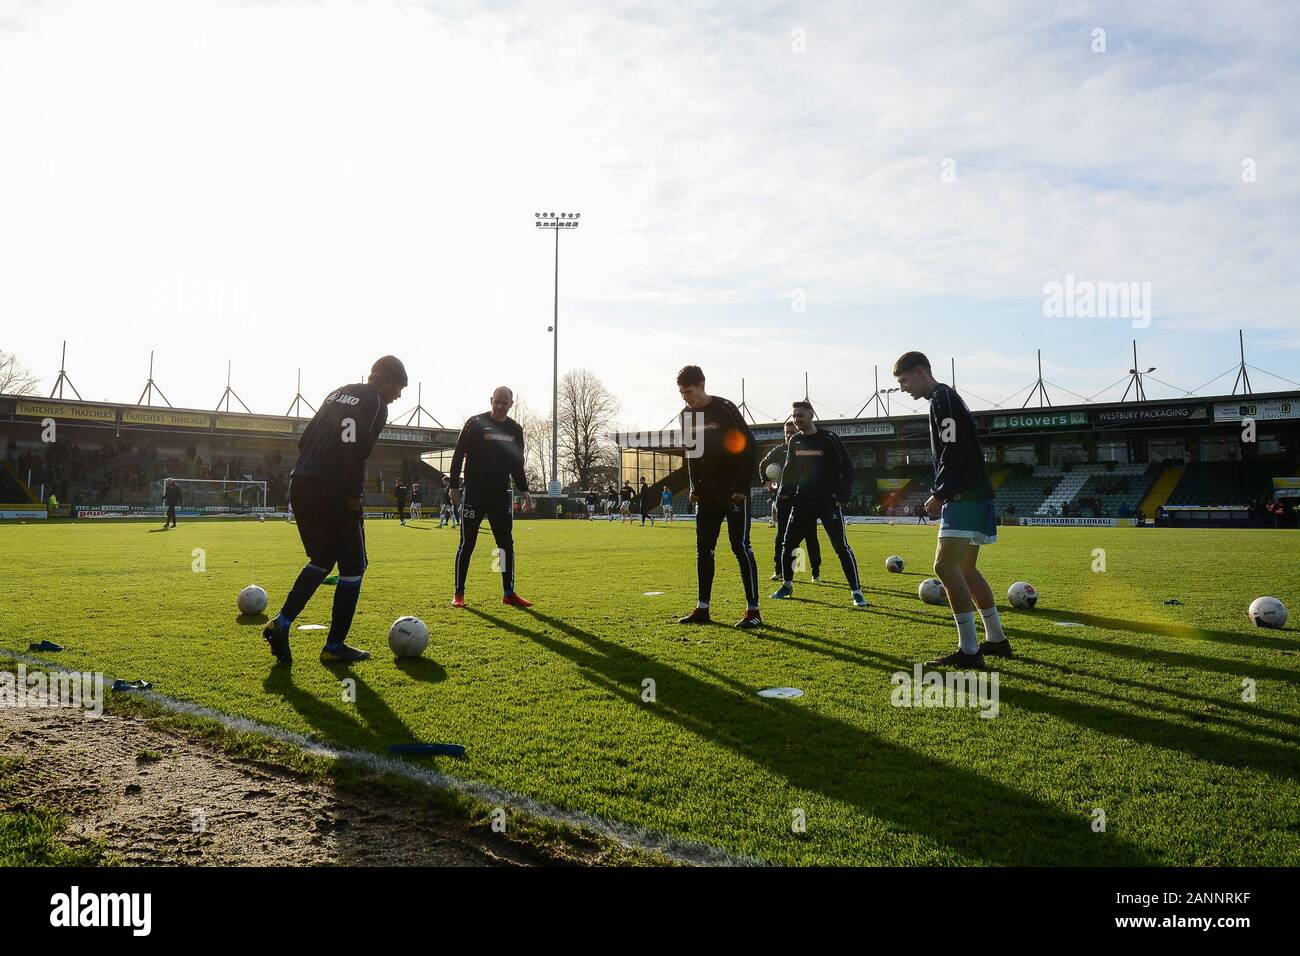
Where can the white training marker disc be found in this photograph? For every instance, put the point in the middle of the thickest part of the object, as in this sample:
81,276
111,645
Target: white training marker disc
311,627
651,593
1068,624
781,692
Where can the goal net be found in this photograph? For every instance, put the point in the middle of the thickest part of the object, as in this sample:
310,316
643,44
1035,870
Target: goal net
213,495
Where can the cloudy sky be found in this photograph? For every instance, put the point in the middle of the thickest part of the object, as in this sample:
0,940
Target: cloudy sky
765,188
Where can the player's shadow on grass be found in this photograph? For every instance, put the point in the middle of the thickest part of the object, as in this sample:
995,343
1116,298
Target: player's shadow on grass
826,647
250,619
421,668
1202,739
1254,710
1162,629
1199,715
920,794
1151,655
367,724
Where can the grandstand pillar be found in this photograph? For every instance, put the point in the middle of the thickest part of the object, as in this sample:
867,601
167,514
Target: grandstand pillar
1137,450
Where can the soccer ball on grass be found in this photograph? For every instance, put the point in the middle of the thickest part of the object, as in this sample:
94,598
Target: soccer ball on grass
251,600
408,637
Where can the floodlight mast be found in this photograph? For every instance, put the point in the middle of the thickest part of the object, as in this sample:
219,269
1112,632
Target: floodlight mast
558,222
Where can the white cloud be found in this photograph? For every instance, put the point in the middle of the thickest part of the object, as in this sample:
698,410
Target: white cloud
331,181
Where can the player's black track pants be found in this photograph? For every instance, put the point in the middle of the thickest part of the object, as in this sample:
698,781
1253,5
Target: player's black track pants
803,524
501,519
783,508
331,533
171,516
708,524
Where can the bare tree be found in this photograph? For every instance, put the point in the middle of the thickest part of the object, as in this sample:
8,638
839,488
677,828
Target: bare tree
537,443
15,377
587,411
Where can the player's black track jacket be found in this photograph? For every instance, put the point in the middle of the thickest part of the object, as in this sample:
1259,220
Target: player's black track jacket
817,468
172,496
730,453
496,454
337,441
958,464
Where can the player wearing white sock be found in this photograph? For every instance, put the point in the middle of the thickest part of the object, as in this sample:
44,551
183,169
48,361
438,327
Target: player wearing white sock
962,498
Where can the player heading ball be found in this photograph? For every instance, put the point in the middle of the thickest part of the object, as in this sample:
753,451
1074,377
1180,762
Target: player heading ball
326,486
720,474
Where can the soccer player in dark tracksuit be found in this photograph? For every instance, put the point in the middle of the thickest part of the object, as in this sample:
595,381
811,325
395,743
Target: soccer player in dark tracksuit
962,499
493,443
784,502
645,495
819,477
720,458
171,498
400,492
325,489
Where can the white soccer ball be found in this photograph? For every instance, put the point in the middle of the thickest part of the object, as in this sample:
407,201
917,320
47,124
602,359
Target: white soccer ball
1267,612
932,591
252,600
408,637
261,517
1022,595
894,564
773,472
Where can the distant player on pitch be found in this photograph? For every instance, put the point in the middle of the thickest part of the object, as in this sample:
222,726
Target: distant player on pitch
491,448
782,502
666,501
645,498
818,479
720,468
962,500
325,488
171,498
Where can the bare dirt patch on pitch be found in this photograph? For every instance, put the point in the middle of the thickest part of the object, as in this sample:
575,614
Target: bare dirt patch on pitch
155,795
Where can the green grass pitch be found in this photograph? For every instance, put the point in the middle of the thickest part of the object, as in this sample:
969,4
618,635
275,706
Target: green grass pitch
1139,713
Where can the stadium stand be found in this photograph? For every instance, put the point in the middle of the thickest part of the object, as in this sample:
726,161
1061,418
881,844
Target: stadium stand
1162,487
1115,491
1223,483
1023,491
12,489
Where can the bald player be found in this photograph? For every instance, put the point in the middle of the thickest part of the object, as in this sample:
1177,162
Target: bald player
491,450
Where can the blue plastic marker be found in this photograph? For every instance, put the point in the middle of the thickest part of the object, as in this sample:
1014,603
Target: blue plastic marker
424,750
120,685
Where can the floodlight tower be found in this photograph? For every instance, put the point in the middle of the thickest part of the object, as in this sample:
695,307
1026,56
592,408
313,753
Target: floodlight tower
1135,378
559,222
